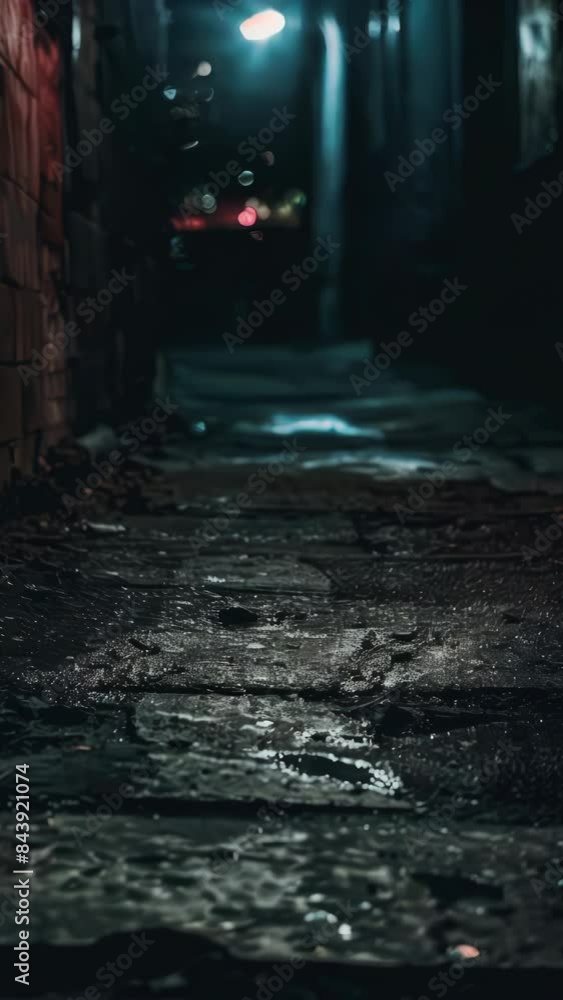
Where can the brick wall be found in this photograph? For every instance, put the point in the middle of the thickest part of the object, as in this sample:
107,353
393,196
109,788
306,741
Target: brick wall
63,231
33,406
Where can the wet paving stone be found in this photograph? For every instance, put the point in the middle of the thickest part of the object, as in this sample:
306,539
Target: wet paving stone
318,719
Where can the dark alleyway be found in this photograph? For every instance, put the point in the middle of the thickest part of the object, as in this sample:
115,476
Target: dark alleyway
297,726
281,499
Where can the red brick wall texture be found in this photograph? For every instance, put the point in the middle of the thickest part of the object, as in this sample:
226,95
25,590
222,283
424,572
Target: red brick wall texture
33,409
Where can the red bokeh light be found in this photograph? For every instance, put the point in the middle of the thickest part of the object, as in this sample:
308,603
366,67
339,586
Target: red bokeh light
248,216
190,223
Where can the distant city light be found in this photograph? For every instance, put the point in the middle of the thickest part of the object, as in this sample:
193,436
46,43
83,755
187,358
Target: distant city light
296,197
181,224
170,93
374,26
261,26
204,69
264,212
208,203
284,210
467,951
76,36
247,217
394,24
191,145
246,178
269,158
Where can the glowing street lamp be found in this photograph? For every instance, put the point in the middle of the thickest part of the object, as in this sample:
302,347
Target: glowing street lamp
261,26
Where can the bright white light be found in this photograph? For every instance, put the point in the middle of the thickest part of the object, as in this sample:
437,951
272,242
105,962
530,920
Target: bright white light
536,37
374,26
76,36
204,69
263,25
394,24
321,424
527,41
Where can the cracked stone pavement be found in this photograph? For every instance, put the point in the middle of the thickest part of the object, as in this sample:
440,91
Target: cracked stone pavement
315,731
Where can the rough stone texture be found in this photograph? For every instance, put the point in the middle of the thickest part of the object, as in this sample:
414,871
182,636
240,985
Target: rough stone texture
379,727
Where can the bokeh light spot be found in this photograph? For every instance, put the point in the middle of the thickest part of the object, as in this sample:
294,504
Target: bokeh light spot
208,203
246,178
247,217
261,26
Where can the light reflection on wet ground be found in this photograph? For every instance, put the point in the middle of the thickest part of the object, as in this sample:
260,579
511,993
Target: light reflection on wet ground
378,670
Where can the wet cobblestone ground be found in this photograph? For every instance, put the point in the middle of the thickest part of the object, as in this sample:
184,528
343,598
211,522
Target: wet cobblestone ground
315,724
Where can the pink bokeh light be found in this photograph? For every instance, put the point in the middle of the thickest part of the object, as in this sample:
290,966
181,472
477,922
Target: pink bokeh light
248,216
